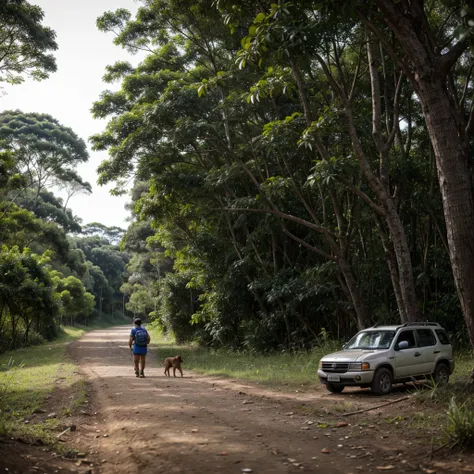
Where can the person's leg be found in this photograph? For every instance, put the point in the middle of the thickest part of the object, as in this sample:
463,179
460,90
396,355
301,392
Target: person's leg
142,365
136,359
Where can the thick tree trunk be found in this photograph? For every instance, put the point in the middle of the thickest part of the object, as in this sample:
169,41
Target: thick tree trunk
451,152
427,70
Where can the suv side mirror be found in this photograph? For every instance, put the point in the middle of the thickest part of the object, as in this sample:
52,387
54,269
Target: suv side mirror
402,345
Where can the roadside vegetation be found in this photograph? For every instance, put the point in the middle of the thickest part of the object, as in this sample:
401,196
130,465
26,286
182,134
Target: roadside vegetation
32,378
445,412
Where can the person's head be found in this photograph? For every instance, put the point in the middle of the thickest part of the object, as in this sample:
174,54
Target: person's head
137,322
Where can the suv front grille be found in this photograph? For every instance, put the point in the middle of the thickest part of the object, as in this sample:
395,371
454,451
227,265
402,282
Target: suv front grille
336,367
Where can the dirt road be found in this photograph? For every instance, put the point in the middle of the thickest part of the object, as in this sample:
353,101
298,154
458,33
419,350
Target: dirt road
200,424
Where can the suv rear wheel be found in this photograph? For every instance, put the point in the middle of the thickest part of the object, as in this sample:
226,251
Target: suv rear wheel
334,388
382,381
441,374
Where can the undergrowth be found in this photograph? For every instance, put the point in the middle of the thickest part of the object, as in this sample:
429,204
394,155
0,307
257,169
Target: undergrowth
461,423
287,369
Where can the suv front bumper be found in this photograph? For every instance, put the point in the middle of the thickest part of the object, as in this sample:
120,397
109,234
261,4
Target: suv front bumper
347,378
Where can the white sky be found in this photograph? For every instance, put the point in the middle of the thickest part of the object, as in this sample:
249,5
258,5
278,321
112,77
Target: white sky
69,93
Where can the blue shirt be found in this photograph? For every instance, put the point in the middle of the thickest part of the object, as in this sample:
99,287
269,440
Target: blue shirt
138,350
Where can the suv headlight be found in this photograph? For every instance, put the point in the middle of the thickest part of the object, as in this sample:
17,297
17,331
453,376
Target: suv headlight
359,366
320,364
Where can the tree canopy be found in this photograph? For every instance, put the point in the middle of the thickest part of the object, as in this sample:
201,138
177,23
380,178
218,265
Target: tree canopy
286,164
25,43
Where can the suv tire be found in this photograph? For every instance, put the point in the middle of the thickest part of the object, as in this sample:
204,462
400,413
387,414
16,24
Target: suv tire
441,374
334,388
382,381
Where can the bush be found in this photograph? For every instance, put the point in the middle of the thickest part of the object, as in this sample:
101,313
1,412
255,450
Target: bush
461,423
35,339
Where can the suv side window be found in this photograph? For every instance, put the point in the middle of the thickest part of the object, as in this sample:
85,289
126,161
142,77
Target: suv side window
426,337
408,336
442,336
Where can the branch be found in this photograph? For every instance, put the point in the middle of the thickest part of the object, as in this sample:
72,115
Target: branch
470,123
283,215
308,246
396,111
391,50
375,207
356,74
447,61
466,85
376,100
377,406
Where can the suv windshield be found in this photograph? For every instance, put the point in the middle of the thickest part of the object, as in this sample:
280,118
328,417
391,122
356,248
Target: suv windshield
372,340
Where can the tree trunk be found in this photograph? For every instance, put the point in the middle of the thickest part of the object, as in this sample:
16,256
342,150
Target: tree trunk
428,70
451,153
356,297
393,269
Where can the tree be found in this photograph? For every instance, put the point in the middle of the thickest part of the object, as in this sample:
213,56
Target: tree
46,151
284,209
25,42
76,303
436,62
26,297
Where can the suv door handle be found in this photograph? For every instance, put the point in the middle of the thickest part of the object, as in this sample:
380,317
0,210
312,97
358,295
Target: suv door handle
417,354
436,352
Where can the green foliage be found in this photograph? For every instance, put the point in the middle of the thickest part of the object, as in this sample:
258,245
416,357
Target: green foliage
254,224
46,152
25,42
285,369
461,423
26,297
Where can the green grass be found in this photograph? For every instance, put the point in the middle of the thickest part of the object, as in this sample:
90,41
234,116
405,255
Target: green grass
291,370
29,375
464,363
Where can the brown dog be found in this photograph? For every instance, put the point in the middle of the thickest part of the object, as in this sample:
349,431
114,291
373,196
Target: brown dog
174,362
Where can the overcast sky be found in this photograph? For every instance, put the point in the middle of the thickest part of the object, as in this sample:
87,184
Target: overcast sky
69,93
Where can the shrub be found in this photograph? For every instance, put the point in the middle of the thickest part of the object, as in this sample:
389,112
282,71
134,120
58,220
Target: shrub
461,423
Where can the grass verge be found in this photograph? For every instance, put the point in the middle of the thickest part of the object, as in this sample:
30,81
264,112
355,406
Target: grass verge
29,377
288,370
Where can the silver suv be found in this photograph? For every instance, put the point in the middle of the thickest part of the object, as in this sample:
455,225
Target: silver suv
380,356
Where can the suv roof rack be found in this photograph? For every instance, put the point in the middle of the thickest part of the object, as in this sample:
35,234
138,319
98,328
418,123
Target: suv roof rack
422,323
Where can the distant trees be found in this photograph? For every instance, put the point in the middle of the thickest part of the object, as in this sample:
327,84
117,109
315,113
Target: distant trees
47,280
46,152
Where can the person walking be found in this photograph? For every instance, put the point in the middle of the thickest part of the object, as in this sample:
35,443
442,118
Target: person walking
140,339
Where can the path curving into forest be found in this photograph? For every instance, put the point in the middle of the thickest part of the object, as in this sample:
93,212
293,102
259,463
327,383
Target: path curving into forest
199,424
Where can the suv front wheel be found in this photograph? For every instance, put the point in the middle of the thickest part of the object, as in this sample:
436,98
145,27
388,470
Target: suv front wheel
382,381
441,374
334,388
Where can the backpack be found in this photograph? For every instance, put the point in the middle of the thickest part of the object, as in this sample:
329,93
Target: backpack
141,337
